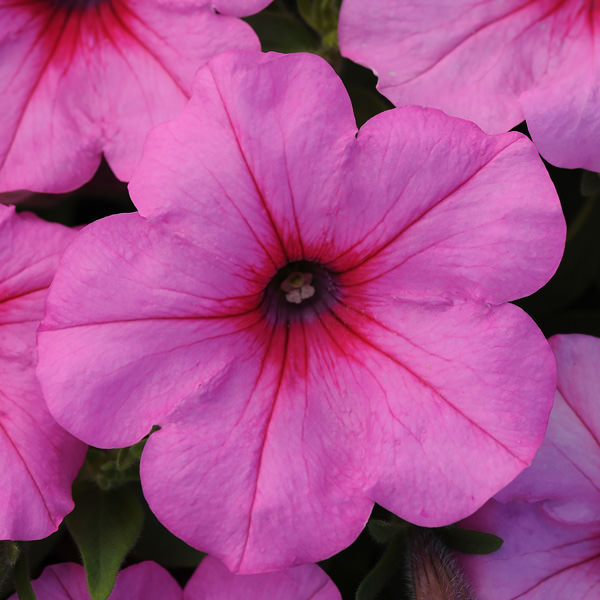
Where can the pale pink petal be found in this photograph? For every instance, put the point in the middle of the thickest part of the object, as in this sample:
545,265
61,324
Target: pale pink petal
493,62
266,448
65,581
152,59
450,376
35,116
155,322
38,459
549,517
541,559
144,581
31,249
562,110
283,436
275,176
240,8
565,475
450,211
82,82
213,581
470,59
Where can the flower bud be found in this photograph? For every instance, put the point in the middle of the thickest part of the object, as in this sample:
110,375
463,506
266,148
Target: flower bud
434,574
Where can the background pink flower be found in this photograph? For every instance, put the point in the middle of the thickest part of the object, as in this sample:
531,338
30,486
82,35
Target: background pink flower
78,79
316,319
38,459
549,516
495,62
144,581
213,581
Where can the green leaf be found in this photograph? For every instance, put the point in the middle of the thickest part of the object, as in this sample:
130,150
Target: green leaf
321,15
105,526
281,32
469,541
9,553
384,571
22,583
383,531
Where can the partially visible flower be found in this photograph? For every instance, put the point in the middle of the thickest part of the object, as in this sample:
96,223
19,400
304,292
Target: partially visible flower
213,581
495,62
549,516
316,317
79,78
144,581
38,459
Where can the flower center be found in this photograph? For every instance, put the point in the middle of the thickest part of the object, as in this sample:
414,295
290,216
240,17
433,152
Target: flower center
75,4
299,290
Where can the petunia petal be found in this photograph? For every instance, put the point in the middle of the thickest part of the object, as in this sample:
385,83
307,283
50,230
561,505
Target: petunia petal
272,177
38,459
451,211
152,57
562,110
470,59
39,39
540,559
450,377
143,581
96,80
549,516
159,320
572,444
240,8
212,580
282,433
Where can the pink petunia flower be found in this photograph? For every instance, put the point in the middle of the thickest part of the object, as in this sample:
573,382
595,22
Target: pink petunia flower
38,459
495,62
317,318
211,580
79,78
549,516
144,581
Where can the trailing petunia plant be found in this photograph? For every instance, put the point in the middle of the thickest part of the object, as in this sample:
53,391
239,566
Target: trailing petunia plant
264,318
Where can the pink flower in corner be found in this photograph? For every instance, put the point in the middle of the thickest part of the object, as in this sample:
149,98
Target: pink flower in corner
144,581
213,581
317,319
79,78
38,459
495,62
549,516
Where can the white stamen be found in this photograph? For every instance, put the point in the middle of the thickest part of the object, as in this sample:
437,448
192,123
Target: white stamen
297,287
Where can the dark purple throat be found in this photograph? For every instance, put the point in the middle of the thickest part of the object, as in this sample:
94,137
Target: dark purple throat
76,4
299,291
